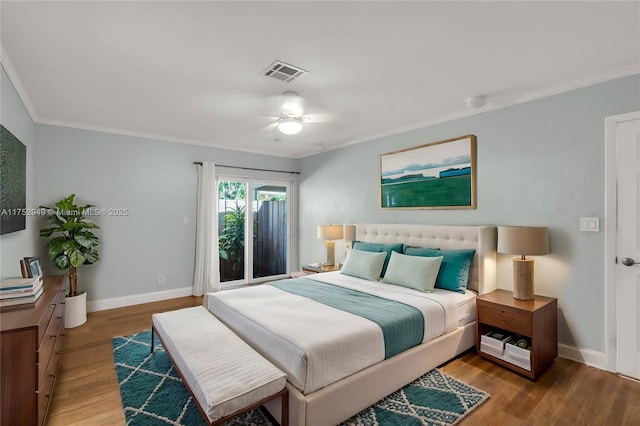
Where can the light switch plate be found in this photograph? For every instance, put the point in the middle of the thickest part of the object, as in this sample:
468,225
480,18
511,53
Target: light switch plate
590,224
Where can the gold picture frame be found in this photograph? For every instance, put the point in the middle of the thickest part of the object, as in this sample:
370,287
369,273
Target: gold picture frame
439,175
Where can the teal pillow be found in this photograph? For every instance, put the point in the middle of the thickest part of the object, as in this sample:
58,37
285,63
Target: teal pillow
414,272
363,264
377,247
455,269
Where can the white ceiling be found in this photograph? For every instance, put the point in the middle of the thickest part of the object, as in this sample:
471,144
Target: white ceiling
190,71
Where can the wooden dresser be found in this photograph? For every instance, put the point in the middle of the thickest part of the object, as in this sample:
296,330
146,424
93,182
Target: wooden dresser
30,349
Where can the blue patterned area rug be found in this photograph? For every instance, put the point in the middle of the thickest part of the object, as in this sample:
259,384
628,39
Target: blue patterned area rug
153,394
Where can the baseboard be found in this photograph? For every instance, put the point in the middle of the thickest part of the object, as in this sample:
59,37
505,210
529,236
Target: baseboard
584,356
137,299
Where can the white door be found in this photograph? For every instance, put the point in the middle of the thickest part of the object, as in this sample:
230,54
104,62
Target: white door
628,247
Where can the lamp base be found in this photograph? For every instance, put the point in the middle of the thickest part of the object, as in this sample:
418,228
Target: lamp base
523,279
331,252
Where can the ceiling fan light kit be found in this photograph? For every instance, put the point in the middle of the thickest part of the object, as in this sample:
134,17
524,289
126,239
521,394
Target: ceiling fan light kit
290,125
291,113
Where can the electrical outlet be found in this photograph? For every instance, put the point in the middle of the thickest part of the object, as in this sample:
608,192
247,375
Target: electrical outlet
161,280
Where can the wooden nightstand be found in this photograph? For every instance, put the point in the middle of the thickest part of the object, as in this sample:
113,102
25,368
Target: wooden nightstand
535,320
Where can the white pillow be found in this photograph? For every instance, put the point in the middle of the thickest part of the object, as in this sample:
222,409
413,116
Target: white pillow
363,264
415,272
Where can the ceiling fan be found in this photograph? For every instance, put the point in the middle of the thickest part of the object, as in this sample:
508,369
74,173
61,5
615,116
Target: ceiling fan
291,119
291,113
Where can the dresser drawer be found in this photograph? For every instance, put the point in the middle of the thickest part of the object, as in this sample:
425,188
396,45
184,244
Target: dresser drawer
55,327
44,321
61,297
44,396
505,319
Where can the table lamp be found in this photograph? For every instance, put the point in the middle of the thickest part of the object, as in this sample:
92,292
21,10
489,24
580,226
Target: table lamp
329,233
349,237
523,241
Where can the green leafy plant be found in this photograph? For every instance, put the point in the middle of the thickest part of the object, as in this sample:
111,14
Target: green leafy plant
231,242
229,190
74,242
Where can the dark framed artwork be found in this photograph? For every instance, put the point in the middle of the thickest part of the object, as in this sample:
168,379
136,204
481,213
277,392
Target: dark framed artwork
13,182
439,175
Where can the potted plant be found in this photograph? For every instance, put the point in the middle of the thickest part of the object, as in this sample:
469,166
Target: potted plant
74,244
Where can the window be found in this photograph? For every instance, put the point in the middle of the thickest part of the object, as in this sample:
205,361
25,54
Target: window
253,229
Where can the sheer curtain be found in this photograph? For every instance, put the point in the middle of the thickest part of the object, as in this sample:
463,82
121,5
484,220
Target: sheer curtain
206,277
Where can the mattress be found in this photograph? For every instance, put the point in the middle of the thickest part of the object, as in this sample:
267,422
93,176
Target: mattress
317,345
465,307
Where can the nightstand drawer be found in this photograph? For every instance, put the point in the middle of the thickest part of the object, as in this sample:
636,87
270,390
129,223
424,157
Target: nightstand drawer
505,319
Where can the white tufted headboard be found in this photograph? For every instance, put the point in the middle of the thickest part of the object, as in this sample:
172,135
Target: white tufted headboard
482,238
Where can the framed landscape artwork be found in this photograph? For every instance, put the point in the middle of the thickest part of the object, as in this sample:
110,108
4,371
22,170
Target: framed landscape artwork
440,175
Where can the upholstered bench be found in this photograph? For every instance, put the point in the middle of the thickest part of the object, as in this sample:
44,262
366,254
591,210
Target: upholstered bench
223,373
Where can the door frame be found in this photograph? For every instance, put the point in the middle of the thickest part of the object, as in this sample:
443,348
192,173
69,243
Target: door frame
610,236
248,181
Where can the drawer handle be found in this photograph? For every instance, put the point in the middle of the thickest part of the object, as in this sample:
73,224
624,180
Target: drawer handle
53,336
59,352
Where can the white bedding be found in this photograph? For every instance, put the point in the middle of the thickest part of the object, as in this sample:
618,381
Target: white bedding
315,344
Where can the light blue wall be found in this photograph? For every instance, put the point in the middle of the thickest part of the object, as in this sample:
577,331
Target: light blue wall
16,119
154,180
539,163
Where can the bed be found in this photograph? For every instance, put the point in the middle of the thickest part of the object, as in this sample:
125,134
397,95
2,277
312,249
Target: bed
342,368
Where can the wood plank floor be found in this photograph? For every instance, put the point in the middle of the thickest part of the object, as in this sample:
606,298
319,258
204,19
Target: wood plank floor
568,393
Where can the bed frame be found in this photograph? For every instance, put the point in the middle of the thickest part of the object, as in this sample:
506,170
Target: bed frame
341,400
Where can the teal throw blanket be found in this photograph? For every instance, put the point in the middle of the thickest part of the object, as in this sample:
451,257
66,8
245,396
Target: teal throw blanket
402,325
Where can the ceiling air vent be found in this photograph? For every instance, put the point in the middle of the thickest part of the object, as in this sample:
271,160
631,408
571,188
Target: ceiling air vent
283,72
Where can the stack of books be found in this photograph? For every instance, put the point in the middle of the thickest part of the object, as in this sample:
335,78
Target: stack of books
18,291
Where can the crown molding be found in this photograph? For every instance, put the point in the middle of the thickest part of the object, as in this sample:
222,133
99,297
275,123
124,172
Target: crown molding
574,85
142,135
15,81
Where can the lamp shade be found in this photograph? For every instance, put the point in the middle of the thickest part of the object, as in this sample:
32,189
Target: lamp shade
523,240
329,232
349,232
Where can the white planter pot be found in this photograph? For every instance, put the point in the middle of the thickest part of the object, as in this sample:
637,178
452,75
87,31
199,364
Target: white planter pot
75,312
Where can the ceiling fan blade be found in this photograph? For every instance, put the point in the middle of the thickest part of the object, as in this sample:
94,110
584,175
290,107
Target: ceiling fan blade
270,130
321,118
